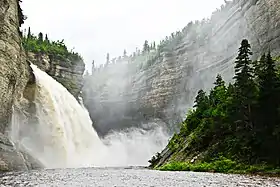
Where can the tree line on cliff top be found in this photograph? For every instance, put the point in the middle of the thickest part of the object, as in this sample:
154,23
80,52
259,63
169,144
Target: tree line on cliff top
56,50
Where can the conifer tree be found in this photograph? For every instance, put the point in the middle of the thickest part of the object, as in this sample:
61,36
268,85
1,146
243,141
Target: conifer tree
218,92
219,81
29,33
231,104
40,37
92,67
201,100
46,38
269,90
267,113
259,66
243,69
124,53
146,46
107,58
245,87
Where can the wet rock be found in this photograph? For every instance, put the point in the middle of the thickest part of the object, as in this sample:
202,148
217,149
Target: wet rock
70,76
10,158
15,74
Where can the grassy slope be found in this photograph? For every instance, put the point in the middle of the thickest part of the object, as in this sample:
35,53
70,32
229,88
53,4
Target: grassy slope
221,165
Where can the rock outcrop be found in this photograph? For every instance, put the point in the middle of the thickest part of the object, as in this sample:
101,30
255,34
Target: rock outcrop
70,76
163,83
15,75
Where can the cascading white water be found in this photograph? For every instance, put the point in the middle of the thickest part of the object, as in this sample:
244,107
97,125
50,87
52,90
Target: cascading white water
63,135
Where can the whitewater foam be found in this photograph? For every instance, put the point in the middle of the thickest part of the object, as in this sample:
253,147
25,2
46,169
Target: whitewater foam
63,135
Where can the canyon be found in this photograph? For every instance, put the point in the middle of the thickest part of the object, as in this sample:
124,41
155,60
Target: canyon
160,84
147,90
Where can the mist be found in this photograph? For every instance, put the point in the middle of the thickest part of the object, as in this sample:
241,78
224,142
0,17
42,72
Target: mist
95,28
57,131
160,84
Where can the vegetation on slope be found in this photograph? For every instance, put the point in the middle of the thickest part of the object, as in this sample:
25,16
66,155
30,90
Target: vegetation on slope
239,122
56,50
221,165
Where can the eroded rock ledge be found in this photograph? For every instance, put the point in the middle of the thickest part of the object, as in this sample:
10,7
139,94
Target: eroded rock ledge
71,77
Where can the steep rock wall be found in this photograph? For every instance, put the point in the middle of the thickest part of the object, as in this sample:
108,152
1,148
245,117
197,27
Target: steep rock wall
15,74
17,82
126,93
70,76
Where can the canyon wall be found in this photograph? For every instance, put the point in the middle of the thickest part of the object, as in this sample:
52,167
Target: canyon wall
14,77
18,86
161,84
70,76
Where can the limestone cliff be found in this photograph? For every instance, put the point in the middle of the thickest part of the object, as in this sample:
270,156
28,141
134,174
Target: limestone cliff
70,76
15,75
162,84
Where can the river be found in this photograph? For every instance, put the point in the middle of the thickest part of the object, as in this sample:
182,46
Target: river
135,177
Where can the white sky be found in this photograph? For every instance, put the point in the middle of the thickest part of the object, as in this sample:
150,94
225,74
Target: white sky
95,27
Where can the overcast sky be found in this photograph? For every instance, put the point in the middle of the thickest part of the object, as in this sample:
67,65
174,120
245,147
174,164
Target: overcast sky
95,27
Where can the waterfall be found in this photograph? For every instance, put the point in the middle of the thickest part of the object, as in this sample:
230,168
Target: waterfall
62,134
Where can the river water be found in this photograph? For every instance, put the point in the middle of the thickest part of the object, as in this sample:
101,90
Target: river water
133,177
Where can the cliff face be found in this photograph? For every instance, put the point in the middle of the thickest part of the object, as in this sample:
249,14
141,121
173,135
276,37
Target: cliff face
15,75
70,76
163,83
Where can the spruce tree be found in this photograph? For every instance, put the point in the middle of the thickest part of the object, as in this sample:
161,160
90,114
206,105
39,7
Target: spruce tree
92,67
269,103
124,53
151,46
219,81
146,46
40,37
107,58
269,90
243,69
46,39
231,105
201,100
259,68
29,33
218,92
245,87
